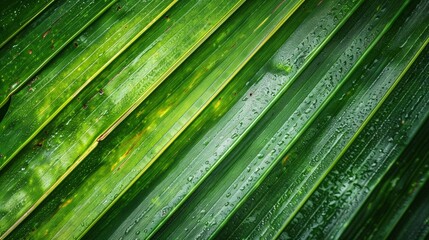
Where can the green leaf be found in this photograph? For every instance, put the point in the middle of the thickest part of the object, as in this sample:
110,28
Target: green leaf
395,193
205,119
319,148
40,41
202,71
186,176
217,203
15,15
413,223
374,159
80,63
130,80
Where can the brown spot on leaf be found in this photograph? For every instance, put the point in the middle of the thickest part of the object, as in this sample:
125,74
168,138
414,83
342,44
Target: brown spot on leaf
284,160
46,33
30,51
75,44
65,203
277,7
40,143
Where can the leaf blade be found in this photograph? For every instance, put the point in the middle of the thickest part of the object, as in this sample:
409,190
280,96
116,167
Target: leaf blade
40,41
34,108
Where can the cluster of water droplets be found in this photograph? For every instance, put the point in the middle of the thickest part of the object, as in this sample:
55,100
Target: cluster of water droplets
342,188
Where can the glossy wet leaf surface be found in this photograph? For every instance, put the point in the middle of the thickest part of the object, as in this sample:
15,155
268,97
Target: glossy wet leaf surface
204,119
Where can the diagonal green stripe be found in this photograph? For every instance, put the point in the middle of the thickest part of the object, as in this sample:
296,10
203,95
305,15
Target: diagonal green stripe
15,15
24,55
75,132
79,64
